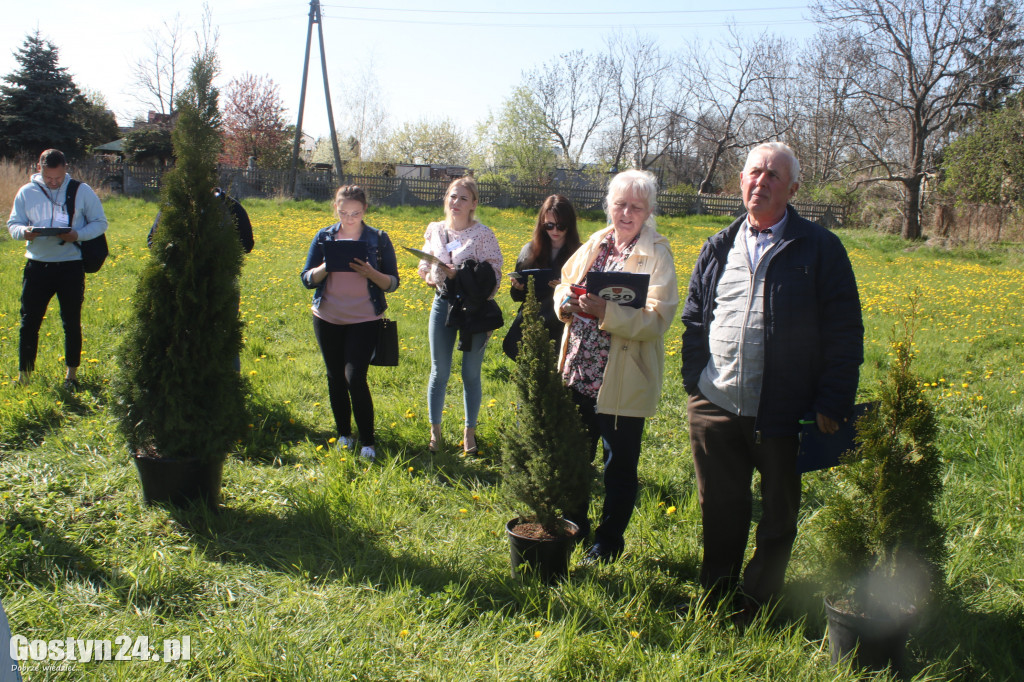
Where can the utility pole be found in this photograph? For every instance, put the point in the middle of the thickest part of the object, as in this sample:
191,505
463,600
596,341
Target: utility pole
314,18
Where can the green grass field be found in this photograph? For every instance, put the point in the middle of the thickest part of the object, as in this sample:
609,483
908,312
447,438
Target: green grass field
321,567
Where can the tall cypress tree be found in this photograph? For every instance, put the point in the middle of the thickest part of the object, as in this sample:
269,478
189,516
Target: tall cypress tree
177,392
545,454
36,111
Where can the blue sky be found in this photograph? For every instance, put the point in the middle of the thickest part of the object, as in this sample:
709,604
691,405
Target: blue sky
446,59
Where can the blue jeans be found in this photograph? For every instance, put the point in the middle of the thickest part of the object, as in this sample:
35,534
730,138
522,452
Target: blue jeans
442,346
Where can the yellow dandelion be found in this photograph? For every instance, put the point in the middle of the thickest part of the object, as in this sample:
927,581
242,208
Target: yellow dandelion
670,510
403,633
634,634
537,634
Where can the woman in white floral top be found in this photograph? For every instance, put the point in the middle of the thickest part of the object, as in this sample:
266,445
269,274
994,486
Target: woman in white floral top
613,356
456,239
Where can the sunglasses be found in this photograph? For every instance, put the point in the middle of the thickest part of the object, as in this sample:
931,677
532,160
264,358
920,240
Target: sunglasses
555,226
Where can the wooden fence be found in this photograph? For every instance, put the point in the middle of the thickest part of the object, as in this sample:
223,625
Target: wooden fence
138,180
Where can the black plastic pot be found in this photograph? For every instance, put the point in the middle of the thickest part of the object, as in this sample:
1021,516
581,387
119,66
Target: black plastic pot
180,482
547,559
874,642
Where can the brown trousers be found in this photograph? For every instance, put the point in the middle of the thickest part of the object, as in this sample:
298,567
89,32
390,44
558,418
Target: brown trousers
725,454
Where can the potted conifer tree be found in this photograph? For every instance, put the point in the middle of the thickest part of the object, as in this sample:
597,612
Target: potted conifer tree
177,391
544,453
881,540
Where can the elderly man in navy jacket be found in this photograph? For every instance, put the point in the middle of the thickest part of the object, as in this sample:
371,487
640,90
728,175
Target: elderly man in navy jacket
773,332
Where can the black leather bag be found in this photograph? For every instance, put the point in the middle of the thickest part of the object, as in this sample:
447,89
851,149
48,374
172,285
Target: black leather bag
386,352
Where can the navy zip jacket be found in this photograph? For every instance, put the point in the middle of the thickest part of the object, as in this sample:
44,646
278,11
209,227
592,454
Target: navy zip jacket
814,336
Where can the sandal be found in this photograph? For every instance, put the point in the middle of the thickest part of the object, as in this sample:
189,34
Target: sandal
470,434
435,439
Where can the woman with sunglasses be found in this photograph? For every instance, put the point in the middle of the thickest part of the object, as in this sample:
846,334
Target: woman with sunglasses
347,307
555,238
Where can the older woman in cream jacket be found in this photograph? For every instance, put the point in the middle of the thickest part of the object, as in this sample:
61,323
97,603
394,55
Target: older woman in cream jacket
613,356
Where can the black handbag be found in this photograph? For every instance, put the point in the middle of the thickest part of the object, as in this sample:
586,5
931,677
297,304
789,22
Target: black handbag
385,354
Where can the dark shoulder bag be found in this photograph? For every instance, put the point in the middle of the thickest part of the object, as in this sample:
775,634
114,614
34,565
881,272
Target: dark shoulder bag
385,352
94,251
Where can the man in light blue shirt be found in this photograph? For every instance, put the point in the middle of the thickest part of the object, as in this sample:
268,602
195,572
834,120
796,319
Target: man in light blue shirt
42,216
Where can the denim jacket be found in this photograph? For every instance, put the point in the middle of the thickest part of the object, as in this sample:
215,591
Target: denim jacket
381,255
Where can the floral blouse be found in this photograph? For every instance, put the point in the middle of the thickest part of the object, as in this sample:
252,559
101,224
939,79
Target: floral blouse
455,247
587,353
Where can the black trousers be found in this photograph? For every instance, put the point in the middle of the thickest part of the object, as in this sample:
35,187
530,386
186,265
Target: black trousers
39,283
347,350
620,438
725,454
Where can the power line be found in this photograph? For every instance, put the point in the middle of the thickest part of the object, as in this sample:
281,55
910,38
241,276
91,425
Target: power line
549,14
474,24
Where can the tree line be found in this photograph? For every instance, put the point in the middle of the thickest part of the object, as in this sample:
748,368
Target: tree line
887,96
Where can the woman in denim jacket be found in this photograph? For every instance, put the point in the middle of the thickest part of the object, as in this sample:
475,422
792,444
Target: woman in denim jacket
347,308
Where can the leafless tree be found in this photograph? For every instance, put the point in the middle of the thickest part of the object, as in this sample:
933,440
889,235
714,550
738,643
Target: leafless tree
735,95
365,113
908,59
572,91
820,134
157,73
639,120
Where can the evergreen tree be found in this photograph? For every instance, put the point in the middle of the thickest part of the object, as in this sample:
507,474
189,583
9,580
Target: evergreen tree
177,392
882,537
99,126
36,107
149,144
545,450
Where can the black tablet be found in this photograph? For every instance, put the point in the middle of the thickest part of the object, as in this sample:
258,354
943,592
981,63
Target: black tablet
49,231
338,254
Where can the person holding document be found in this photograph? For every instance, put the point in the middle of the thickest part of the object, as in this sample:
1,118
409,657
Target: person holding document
555,238
348,303
41,215
458,243
613,356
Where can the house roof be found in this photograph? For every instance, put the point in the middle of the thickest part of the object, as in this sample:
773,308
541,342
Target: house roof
115,146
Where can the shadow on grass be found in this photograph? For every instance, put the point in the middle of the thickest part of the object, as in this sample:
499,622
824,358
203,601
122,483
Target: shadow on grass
23,428
973,642
273,430
40,554
309,543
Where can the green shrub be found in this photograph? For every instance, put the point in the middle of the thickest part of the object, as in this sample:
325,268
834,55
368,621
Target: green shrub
177,391
544,450
881,538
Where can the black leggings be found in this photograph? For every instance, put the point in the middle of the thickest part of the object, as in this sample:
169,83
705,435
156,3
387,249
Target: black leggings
39,283
347,350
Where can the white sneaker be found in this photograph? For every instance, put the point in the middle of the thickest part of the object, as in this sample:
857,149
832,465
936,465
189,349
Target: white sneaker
344,443
368,453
